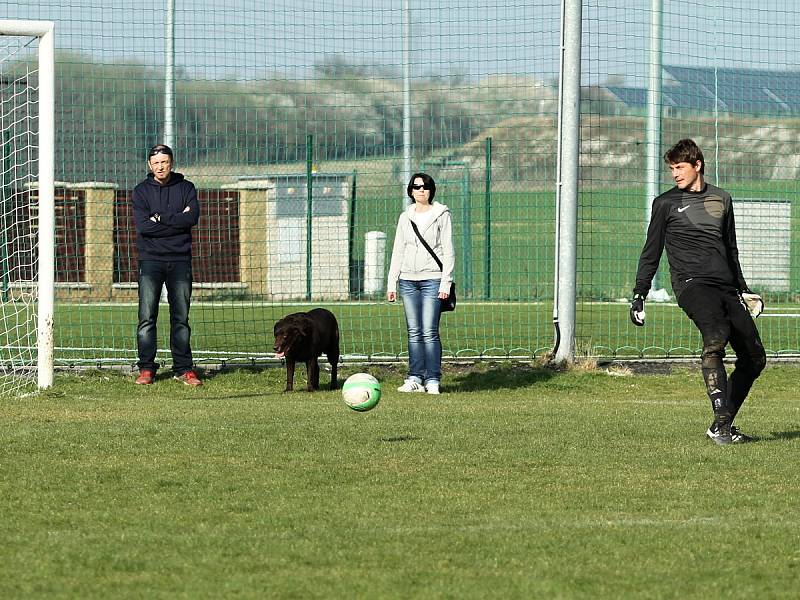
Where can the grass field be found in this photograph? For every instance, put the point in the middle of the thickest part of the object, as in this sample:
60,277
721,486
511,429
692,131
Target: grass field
517,482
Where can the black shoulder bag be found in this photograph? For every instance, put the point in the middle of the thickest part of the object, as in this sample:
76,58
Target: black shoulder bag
448,304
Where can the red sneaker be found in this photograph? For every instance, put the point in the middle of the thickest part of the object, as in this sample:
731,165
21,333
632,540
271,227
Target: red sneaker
146,377
189,378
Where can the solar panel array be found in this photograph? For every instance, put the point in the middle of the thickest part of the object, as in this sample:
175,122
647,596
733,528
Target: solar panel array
740,91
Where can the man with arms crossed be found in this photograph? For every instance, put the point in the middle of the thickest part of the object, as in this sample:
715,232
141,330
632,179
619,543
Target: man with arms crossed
694,220
165,209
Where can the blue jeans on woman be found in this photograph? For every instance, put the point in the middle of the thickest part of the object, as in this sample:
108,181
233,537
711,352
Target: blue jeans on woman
177,276
423,309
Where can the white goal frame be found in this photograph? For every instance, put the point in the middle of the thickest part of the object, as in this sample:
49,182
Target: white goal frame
44,31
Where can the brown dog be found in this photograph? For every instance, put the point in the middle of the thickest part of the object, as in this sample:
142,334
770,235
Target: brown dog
303,337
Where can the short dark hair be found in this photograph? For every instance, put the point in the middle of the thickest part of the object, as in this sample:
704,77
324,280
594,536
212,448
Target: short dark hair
427,180
160,149
687,151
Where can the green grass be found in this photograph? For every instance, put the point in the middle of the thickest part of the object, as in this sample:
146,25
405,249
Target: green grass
518,482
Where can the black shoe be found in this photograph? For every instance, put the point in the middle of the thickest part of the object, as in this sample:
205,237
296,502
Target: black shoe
737,437
720,433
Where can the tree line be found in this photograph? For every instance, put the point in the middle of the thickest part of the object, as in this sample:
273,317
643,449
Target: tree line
107,115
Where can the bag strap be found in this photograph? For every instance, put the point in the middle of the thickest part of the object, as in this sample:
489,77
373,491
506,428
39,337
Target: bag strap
424,243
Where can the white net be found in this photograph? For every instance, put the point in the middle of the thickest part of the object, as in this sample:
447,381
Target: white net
18,214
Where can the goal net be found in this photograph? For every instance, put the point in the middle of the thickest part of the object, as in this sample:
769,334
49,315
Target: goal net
26,206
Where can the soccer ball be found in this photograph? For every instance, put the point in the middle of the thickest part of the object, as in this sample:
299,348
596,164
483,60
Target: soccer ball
361,392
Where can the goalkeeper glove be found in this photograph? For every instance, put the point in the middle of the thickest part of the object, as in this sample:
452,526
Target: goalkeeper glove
637,310
753,302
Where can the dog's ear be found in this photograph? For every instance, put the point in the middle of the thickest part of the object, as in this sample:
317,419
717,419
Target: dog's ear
277,327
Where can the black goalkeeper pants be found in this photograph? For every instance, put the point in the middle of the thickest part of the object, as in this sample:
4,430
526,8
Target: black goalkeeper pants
722,319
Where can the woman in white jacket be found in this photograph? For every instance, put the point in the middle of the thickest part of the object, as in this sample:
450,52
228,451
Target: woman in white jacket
421,283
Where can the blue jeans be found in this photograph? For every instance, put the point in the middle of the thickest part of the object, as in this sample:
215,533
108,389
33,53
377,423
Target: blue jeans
177,275
423,309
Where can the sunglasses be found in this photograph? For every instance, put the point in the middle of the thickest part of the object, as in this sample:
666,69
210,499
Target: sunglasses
419,187
160,150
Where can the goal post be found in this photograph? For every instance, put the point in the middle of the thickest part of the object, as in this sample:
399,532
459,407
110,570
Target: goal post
43,115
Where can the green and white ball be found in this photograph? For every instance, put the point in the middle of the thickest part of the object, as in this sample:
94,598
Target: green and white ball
361,392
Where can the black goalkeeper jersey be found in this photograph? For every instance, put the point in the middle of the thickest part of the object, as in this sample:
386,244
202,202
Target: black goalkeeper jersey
699,233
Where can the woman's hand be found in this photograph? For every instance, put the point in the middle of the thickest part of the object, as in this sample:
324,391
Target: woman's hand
443,295
391,296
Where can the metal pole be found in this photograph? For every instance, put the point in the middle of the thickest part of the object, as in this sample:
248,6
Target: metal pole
487,220
169,77
309,208
654,84
47,210
569,153
44,30
559,183
466,231
169,92
351,236
5,204
406,91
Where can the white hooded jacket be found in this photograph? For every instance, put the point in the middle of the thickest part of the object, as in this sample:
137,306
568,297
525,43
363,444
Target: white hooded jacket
410,259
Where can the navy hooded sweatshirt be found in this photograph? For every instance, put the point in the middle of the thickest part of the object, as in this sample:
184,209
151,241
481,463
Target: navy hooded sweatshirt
176,202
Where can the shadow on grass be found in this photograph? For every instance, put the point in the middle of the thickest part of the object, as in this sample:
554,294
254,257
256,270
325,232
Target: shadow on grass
506,377
277,373
785,435
242,396
457,377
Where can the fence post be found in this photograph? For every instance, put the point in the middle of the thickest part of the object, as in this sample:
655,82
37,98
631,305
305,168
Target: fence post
374,263
406,90
487,214
169,77
654,82
99,241
309,209
569,111
351,232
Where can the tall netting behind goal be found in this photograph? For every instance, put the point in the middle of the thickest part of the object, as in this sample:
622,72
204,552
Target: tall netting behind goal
26,206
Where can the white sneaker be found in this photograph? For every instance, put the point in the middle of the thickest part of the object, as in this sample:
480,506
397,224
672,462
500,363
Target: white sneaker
411,386
432,388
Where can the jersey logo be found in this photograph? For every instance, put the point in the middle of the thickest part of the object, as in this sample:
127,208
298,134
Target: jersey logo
682,208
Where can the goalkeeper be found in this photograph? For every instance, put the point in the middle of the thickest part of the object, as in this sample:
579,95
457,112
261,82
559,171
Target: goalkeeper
694,220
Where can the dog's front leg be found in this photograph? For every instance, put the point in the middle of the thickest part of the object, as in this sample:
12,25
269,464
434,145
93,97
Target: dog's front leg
312,366
334,360
289,375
